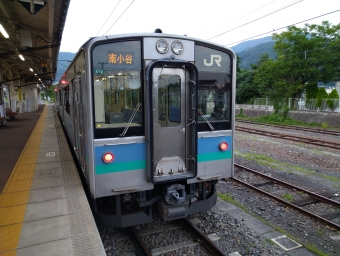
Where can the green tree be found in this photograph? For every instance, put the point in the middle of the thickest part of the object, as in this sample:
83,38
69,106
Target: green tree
245,88
311,90
320,96
304,57
238,63
269,80
49,92
307,54
331,99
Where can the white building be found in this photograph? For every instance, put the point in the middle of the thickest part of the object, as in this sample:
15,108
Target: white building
337,86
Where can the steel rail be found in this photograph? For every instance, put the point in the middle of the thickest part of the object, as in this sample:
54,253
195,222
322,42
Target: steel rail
324,199
291,127
201,237
320,143
310,193
138,242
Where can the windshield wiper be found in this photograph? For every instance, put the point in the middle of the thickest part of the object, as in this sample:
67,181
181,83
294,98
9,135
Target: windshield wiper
206,120
130,120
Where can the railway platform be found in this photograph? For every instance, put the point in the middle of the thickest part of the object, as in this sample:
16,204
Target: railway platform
43,206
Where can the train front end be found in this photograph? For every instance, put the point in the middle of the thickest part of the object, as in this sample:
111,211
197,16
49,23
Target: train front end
163,124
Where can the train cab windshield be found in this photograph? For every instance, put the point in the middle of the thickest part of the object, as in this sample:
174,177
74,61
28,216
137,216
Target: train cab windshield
214,89
117,90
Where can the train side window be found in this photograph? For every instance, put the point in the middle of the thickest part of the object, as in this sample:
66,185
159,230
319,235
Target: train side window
59,96
67,100
117,87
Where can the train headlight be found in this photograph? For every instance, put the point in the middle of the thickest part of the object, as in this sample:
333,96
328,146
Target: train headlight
108,157
177,47
162,46
223,146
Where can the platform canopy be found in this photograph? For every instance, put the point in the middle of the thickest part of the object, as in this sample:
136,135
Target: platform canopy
30,38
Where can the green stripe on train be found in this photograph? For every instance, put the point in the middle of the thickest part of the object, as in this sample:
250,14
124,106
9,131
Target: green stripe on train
120,167
214,156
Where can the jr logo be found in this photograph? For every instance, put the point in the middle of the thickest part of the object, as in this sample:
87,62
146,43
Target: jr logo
217,59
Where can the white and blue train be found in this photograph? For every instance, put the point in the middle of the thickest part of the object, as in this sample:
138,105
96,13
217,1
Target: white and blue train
150,118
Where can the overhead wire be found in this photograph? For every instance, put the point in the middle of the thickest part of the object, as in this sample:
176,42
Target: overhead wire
108,17
119,17
63,64
307,51
250,13
281,28
256,19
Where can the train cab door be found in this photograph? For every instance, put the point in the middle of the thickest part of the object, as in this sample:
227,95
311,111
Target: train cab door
172,118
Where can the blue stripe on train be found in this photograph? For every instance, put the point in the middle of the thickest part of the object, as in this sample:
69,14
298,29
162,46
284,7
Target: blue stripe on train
210,144
122,153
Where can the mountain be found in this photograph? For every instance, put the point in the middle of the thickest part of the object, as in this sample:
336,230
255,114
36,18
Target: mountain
64,60
252,55
250,44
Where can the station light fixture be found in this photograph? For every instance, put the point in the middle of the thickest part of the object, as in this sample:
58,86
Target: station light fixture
3,31
31,69
63,81
21,57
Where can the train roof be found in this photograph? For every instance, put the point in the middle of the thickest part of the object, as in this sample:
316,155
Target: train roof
152,34
155,34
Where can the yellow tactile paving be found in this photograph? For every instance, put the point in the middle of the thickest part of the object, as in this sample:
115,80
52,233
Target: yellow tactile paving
33,151
24,168
12,215
32,146
29,155
9,237
22,176
14,196
21,185
27,161
10,253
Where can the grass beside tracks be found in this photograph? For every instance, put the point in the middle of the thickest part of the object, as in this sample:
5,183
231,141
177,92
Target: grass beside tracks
280,119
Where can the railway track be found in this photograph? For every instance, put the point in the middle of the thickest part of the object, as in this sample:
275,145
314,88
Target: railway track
321,143
278,189
198,238
291,127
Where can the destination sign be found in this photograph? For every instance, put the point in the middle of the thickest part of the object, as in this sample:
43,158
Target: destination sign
120,58
116,56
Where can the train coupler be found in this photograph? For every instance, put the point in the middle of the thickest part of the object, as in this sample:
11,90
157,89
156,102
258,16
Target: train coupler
171,212
175,194
175,205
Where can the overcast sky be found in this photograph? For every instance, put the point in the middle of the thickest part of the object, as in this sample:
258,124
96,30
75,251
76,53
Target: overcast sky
195,18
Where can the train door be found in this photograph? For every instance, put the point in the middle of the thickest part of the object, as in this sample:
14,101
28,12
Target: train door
81,126
78,120
172,126
62,103
74,116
